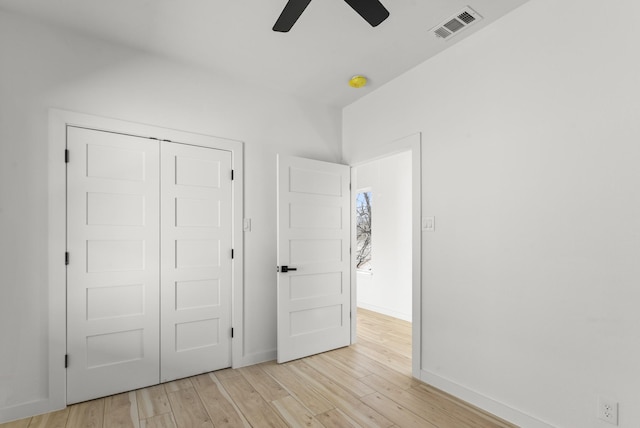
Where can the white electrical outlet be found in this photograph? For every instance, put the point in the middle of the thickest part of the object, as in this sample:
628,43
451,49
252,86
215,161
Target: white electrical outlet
608,410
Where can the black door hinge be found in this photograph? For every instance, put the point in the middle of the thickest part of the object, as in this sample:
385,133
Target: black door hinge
231,175
232,253
232,332
66,258
66,361
66,156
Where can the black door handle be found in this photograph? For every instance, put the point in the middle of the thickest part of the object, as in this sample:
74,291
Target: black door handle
286,268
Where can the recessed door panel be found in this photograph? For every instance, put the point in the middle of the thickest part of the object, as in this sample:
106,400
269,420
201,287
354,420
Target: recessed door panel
115,301
309,251
310,216
197,334
315,320
191,171
115,348
117,163
115,209
197,253
197,294
317,285
115,255
192,212
315,181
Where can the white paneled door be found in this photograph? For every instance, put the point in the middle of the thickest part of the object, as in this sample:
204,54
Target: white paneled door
113,273
314,293
149,268
196,260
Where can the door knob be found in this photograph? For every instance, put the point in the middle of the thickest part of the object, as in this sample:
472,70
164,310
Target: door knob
286,269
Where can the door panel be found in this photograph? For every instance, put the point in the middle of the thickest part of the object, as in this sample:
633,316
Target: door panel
113,274
314,238
196,260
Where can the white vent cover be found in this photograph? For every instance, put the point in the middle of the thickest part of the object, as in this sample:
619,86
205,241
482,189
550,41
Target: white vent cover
456,23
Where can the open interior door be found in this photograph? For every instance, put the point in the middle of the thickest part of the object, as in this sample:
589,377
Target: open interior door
314,292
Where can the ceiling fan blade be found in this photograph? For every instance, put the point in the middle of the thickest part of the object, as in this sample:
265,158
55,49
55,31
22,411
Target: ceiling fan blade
290,14
371,10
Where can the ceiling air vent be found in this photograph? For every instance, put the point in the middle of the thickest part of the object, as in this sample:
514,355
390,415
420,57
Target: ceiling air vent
458,22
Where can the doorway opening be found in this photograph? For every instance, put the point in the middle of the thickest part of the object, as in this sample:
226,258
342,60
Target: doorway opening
383,254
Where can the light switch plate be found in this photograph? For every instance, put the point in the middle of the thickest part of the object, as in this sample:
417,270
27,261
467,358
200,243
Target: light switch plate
429,224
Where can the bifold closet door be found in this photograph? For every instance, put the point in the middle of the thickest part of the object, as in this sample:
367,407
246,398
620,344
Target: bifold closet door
196,260
113,267
149,273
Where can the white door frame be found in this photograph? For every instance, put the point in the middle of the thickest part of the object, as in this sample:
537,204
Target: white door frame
411,143
58,122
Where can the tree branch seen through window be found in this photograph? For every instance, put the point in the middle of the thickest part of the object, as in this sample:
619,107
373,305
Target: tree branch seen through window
363,231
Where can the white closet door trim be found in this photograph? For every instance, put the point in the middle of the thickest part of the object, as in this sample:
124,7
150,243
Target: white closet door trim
58,122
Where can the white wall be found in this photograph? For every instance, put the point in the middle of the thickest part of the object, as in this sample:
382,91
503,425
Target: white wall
387,289
43,67
531,154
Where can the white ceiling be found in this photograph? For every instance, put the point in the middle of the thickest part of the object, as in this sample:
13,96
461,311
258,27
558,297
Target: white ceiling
328,44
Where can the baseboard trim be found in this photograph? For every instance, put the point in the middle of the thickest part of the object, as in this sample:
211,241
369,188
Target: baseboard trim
27,410
257,358
483,402
385,311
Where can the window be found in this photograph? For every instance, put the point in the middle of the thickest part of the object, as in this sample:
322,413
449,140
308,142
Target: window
363,231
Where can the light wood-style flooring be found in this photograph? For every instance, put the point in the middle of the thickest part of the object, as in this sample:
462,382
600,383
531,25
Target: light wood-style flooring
365,385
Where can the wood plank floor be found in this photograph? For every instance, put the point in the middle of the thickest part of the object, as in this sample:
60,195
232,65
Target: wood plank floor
365,385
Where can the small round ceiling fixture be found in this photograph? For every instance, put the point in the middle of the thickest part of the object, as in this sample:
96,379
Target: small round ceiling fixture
358,81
